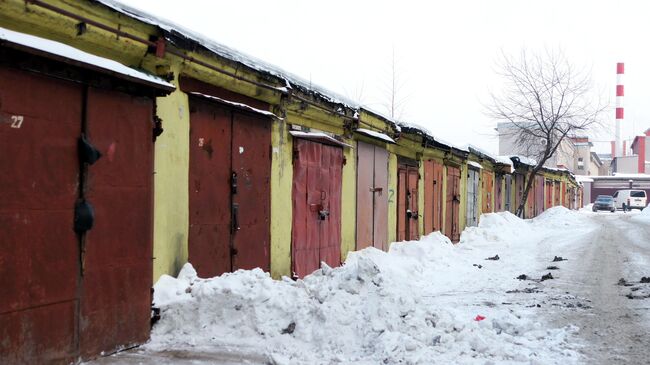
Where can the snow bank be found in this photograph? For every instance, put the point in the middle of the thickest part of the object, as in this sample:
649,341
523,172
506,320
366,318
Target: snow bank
644,216
379,307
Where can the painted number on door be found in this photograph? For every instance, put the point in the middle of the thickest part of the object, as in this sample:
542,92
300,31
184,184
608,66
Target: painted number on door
17,121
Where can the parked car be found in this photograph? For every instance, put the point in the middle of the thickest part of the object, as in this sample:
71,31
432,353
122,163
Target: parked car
604,202
630,199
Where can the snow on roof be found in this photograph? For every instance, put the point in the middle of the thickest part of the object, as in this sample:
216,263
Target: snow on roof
238,105
480,151
625,175
227,52
584,178
504,160
318,136
80,57
474,164
259,65
375,134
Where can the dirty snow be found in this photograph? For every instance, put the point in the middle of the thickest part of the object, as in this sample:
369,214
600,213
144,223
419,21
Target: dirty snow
415,304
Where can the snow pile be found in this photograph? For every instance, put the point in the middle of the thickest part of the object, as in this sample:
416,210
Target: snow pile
644,216
414,304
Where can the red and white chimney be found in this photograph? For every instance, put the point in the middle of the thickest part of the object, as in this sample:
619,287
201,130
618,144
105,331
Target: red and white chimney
620,92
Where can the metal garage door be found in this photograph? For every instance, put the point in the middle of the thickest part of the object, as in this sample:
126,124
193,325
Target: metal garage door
316,226
67,295
452,221
433,196
372,196
229,187
407,202
472,197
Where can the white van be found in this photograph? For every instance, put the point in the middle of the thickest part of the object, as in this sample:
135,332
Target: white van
631,198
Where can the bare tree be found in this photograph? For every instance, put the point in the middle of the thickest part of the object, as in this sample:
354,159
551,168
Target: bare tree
544,100
395,98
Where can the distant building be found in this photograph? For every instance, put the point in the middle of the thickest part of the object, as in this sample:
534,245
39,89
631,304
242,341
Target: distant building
636,163
574,153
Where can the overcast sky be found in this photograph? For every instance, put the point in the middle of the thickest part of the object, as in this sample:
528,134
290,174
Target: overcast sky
445,51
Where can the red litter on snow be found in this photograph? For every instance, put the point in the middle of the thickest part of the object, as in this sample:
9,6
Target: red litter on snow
479,318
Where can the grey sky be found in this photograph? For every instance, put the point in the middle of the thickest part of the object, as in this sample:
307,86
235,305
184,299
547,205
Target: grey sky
445,50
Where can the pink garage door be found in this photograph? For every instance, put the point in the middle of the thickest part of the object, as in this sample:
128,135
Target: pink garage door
316,230
372,196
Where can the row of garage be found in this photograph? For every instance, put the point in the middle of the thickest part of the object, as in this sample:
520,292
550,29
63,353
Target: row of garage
131,146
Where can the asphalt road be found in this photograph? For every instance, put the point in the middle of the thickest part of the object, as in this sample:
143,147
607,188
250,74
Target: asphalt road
615,328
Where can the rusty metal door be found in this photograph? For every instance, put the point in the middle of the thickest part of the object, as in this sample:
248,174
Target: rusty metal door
40,121
316,226
564,199
412,197
210,188
432,196
539,195
407,202
229,183
498,197
116,285
472,197
548,192
557,194
402,204
251,192
519,192
67,296
372,196
487,184
452,204
530,202
508,194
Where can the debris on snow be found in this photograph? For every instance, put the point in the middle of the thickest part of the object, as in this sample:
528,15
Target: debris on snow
558,258
494,258
623,282
552,268
522,277
548,276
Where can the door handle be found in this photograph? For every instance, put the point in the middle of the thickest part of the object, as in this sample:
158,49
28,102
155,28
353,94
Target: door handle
376,190
235,217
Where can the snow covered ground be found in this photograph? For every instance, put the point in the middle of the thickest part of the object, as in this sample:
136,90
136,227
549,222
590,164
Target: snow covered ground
422,302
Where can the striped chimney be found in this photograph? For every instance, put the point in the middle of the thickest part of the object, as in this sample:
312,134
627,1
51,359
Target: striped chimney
620,92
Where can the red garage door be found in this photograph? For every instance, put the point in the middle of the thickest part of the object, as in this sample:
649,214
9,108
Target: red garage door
230,170
433,196
407,201
316,229
116,285
39,252
66,295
